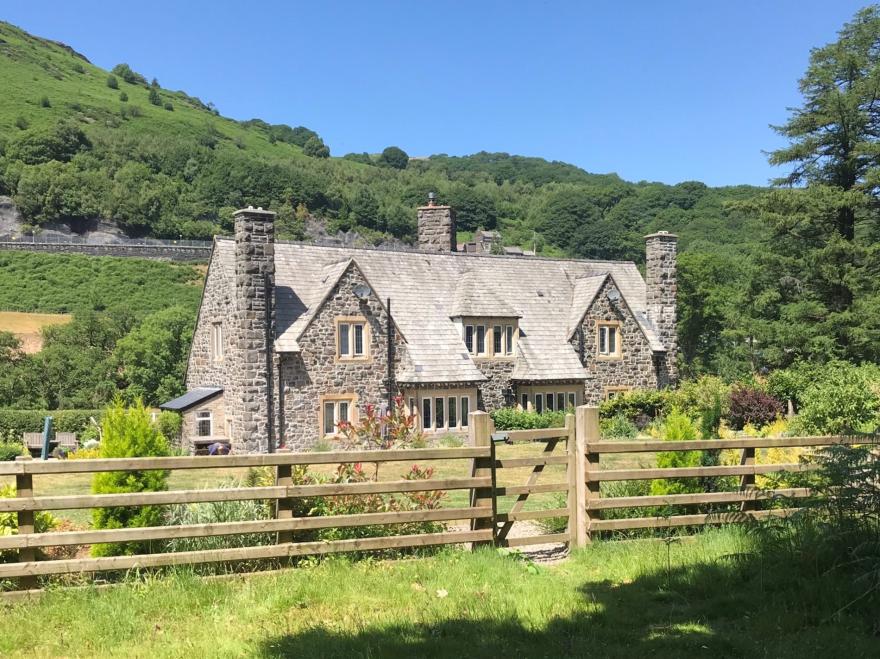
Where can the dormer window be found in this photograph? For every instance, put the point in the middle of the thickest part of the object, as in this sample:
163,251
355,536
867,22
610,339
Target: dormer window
352,339
490,337
481,340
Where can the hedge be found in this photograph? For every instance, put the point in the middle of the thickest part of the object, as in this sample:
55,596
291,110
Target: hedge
508,418
22,421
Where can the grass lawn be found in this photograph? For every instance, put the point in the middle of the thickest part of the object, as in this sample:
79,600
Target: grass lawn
610,600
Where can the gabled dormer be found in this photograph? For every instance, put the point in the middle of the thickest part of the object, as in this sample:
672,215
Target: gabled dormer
488,325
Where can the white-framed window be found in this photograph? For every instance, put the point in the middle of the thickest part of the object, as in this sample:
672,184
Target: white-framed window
332,412
609,340
441,410
217,341
204,423
548,398
439,413
489,338
352,339
427,420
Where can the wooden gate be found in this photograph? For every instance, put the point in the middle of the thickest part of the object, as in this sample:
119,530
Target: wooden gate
555,447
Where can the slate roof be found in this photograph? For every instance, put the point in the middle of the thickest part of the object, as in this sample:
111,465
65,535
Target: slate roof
191,398
428,289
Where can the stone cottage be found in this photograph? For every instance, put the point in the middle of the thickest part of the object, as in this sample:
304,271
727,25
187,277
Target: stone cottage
293,338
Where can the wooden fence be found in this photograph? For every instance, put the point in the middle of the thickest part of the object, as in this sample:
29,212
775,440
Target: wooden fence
26,504
479,522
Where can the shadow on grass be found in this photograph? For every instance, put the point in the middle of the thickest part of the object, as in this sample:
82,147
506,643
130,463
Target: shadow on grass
727,608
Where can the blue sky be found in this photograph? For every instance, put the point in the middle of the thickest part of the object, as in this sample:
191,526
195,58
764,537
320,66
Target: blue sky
664,91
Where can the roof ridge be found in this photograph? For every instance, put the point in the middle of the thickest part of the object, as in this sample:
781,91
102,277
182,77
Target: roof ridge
419,252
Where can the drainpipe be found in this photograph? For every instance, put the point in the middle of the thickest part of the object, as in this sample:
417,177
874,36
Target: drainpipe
390,337
270,358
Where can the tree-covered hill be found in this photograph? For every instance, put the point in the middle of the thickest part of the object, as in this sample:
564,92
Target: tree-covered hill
78,143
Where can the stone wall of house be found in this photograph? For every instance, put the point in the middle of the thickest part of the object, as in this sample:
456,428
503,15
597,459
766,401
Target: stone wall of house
437,231
189,432
316,371
635,367
218,306
661,290
250,394
490,394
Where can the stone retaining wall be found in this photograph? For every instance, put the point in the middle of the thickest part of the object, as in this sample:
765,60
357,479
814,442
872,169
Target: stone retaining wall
157,252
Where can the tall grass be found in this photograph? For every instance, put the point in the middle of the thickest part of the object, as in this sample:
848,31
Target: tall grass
702,598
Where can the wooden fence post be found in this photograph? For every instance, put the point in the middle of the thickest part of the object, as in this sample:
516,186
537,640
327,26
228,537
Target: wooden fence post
24,487
747,482
587,433
284,507
480,434
577,484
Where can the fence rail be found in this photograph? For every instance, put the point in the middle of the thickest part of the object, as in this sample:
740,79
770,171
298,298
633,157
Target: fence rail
747,495
285,525
568,460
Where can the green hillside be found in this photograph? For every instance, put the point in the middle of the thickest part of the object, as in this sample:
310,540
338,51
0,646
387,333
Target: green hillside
77,144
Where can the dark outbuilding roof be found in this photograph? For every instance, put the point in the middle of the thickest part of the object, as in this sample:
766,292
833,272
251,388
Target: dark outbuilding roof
191,398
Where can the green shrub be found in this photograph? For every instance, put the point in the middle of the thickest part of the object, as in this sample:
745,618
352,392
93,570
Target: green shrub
677,427
219,512
509,418
639,405
125,72
168,106
699,397
843,399
44,102
169,424
128,433
123,97
112,82
618,427
10,450
43,522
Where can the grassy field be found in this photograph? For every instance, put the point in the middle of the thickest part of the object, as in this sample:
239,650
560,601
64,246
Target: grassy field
27,326
709,597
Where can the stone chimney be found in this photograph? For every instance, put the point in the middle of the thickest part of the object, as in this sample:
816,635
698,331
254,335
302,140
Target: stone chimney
436,227
661,291
250,399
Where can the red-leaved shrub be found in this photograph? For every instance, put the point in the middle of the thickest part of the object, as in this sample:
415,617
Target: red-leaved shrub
750,405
